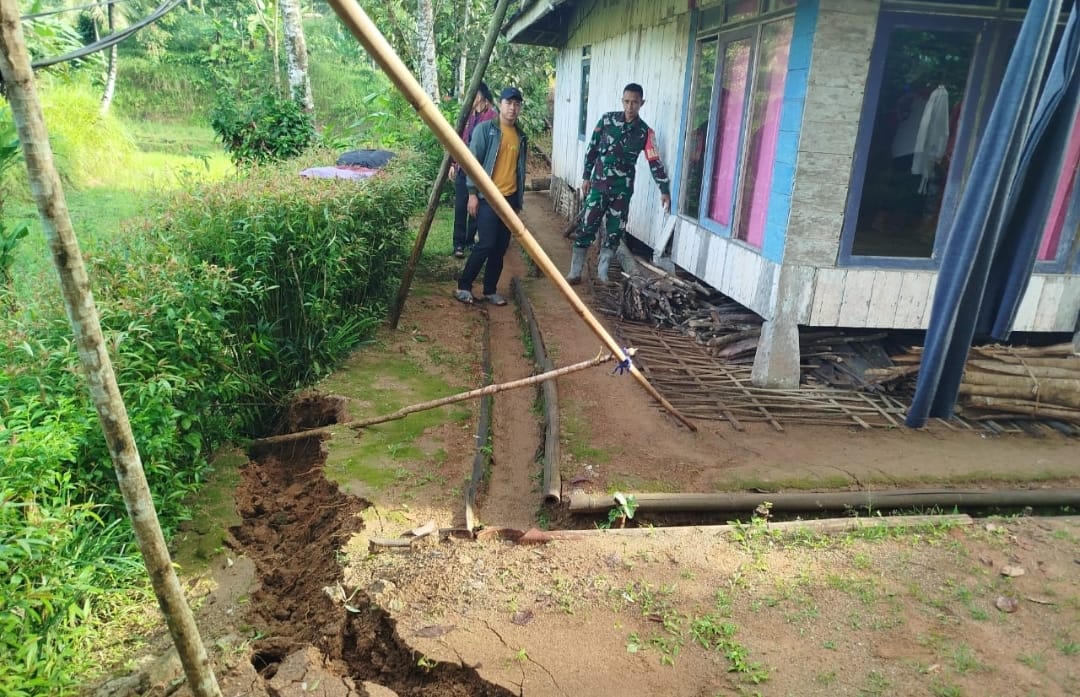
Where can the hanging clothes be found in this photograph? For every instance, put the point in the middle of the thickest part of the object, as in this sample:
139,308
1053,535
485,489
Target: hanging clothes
932,138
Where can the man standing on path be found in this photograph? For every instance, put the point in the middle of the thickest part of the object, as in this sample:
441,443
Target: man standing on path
608,181
464,224
500,146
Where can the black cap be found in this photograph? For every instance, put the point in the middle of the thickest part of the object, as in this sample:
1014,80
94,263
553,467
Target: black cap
511,93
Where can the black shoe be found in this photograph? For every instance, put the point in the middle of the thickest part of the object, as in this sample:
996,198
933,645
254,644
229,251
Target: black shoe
459,252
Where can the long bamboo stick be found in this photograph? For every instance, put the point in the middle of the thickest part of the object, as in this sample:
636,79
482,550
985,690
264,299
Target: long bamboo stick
440,402
380,50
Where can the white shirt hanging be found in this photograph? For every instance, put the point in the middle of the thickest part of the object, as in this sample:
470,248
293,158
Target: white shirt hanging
933,136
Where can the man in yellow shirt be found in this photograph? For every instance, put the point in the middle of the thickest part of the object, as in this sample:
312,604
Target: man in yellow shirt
501,147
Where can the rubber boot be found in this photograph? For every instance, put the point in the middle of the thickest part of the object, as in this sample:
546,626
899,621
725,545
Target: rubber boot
577,264
604,264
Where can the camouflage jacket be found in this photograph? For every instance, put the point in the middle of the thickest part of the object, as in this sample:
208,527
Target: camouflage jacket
611,160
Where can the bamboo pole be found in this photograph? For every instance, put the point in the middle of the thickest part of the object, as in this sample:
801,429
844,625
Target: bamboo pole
93,352
357,424
444,167
1023,407
785,527
795,502
376,45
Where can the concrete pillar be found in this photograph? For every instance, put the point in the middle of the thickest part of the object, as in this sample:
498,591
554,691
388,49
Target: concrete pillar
777,361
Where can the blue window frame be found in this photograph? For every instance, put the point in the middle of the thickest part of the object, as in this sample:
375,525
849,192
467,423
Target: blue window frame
893,217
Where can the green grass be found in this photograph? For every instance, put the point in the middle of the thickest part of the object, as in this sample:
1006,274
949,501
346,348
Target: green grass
378,383
169,157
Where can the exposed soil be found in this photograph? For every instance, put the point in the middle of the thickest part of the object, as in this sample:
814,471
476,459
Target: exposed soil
303,605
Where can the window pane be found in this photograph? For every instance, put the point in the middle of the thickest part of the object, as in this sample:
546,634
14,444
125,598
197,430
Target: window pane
733,85
700,101
740,9
766,101
583,104
925,74
1063,193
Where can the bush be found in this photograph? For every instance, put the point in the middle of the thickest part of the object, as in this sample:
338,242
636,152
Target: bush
266,130
314,263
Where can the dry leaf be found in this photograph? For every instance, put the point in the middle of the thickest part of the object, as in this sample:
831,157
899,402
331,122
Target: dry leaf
434,630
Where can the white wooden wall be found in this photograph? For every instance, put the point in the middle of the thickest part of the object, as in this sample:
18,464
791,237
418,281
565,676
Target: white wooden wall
642,41
646,41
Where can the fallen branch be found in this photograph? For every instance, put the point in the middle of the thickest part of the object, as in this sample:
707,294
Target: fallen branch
357,424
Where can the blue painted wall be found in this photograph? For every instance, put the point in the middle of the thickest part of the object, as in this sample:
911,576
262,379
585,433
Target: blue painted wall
787,148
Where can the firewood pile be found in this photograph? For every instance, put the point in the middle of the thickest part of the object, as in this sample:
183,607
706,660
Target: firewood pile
1009,381
999,381
725,328
730,332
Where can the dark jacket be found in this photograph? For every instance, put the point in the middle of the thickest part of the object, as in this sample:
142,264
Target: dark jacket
484,145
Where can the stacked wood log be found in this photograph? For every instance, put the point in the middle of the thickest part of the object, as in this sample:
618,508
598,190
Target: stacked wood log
1011,381
725,328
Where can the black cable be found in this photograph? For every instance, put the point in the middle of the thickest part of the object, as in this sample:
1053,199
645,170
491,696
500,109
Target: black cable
62,10
111,39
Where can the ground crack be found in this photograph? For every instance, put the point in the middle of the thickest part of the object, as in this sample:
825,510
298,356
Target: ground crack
530,660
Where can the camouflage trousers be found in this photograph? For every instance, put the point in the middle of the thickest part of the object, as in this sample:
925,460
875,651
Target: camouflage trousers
616,205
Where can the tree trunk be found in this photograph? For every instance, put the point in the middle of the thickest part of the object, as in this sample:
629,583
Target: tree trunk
296,54
110,78
425,43
463,62
82,313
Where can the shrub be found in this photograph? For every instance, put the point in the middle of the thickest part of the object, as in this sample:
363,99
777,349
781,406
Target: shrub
314,263
265,130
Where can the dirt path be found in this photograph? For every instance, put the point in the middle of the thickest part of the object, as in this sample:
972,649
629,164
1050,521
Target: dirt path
512,497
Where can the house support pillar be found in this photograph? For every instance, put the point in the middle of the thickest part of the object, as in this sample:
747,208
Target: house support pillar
777,361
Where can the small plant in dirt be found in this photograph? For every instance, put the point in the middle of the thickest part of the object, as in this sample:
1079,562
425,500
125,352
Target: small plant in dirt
755,537
623,510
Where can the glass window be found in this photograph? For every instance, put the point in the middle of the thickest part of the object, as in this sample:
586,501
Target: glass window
1063,192
700,109
583,105
734,81
764,129
923,83
740,9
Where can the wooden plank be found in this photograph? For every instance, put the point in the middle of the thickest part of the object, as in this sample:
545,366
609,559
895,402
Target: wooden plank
1029,305
828,292
855,303
886,290
1049,301
911,302
1069,309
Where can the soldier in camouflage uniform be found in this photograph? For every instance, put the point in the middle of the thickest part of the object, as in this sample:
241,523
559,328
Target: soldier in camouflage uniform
608,182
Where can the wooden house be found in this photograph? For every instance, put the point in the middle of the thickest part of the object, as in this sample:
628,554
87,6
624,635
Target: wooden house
817,148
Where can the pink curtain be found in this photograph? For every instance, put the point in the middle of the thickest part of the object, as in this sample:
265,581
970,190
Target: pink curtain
1059,206
765,121
725,160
